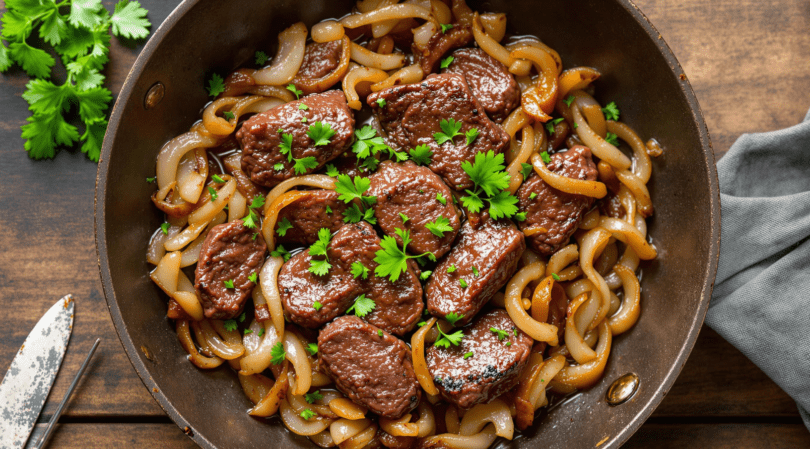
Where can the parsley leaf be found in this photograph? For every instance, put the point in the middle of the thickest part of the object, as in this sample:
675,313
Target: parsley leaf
424,275
462,283
468,355
450,128
291,88
213,192
285,147
379,332
280,251
303,165
533,195
316,305
439,227
471,134
307,414
242,316
421,155
216,85
555,276
504,204
487,172
165,228
217,179
362,306
359,270
303,107
440,198
550,125
611,111
381,102
312,397
228,115
445,340
278,354
320,267
526,169
392,260
446,62
545,157
151,180
475,271
283,226
252,278
500,333
453,317
248,331
257,202
403,217
331,170
445,27
612,139
228,283
261,58
569,100
451,268
320,132
312,348
129,20
230,325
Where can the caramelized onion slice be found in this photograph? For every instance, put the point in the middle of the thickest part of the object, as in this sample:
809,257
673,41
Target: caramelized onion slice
290,55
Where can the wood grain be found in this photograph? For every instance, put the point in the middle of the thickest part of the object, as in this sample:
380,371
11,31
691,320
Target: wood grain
749,63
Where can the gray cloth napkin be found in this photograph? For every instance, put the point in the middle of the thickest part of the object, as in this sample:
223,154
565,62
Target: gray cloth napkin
761,299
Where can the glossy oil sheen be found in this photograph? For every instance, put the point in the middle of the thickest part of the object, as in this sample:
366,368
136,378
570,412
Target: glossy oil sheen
639,73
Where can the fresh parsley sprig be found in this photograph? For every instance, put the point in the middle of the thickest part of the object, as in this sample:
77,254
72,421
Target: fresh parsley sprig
421,155
300,166
450,129
439,227
252,219
445,340
490,179
351,190
80,37
320,267
368,144
611,111
392,260
362,306
277,354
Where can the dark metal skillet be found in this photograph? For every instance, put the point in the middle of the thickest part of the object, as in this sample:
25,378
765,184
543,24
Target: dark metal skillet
640,73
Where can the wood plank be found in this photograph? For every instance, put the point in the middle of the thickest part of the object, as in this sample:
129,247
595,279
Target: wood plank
720,436
81,436
748,61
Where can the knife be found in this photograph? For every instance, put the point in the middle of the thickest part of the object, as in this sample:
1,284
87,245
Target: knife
29,378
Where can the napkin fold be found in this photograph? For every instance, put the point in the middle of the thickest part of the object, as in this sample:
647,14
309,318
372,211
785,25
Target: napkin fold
761,299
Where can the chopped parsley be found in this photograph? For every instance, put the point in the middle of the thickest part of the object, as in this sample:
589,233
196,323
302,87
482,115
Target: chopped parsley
555,276
312,397
545,157
612,139
379,332
403,217
300,166
229,325
331,170
217,179
280,251
471,134
307,414
261,332
312,348
440,198
151,180
278,167
362,306
533,195
421,155
368,144
253,217
526,169
569,100
216,85
317,266
381,102
445,27
462,283
351,190
468,355
248,331
520,216
278,354
316,305
213,192
303,107
446,62
445,340
164,228
242,316
490,179
424,275
439,227
475,271
303,119
328,209
450,129
291,88
550,125
500,333
283,226
261,57
392,260
451,268
359,270
611,111
305,164
453,317
228,115
252,278
228,283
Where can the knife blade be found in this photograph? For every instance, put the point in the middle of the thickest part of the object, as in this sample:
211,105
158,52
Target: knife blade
29,378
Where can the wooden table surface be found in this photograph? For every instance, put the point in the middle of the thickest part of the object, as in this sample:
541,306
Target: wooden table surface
748,61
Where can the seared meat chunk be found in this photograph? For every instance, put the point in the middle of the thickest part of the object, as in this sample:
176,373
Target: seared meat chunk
399,304
484,258
261,136
439,44
336,290
309,214
490,81
409,190
229,253
320,59
558,212
373,370
413,114
494,367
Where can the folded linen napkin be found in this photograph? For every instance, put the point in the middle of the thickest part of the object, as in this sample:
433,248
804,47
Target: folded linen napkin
761,299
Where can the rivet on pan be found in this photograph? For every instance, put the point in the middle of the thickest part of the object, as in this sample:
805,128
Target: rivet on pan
622,389
154,95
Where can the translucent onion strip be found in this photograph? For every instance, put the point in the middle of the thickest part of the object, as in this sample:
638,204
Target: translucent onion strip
211,208
481,440
584,376
343,429
593,243
562,258
515,167
299,425
577,78
271,216
400,11
600,148
533,42
319,181
237,206
514,306
539,102
419,361
192,174
593,189
356,76
255,386
269,405
494,25
278,92
290,55
191,253
639,190
426,421
223,343
516,120
402,427
631,305
642,165
488,44
199,360
362,439
185,237
297,355
408,75
629,235
268,280
345,408
368,58
238,106
169,157
495,412
574,340
327,31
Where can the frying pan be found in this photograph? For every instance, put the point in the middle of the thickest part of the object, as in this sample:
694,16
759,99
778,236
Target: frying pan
639,72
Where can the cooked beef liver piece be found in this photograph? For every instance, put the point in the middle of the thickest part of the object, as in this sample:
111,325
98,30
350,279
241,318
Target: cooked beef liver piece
309,214
399,304
493,369
489,80
438,45
259,136
319,59
493,248
413,113
336,291
372,370
229,253
558,212
412,190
